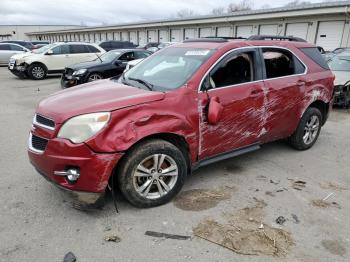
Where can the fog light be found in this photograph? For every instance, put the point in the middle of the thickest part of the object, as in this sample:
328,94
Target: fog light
73,175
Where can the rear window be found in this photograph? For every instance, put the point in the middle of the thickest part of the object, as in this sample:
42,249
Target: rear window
314,54
4,47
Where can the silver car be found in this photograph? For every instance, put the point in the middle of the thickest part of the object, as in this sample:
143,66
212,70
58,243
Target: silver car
9,49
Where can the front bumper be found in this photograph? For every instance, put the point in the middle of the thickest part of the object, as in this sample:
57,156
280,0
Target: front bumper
18,70
95,168
70,80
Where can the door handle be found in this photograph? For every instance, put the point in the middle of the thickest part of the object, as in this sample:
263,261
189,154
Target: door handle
301,83
255,92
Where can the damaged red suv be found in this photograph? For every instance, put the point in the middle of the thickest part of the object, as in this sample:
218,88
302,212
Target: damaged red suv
184,107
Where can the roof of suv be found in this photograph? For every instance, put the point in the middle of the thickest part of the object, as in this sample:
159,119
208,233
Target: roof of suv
221,43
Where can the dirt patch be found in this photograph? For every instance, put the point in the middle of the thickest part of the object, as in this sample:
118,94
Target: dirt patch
201,199
334,246
332,186
324,204
244,233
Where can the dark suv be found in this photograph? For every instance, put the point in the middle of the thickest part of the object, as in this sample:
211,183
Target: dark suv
184,107
112,45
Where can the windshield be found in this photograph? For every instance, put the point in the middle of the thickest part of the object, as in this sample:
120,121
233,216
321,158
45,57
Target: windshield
340,63
168,69
43,49
109,56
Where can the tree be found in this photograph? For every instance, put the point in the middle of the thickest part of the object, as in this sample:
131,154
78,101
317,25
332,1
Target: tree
240,6
185,13
218,11
297,3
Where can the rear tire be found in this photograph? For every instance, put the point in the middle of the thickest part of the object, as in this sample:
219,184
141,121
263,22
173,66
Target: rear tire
37,71
152,173
308,130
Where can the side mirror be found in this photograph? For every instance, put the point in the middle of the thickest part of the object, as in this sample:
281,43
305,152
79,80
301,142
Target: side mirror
50,52
214,111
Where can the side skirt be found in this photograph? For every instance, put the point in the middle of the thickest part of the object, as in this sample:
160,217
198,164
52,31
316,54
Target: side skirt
226,155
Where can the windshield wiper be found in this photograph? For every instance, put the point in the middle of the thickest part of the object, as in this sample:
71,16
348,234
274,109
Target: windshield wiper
143,82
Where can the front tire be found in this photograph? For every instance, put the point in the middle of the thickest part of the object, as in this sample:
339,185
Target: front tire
308,130
152,173
37,71
94,77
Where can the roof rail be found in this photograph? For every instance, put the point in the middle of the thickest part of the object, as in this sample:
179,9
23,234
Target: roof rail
276,37
204,39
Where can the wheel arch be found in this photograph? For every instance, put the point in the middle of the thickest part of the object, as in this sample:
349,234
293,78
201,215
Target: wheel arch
323,107
39,63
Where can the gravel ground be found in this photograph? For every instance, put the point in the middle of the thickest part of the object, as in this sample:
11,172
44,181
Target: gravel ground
36,224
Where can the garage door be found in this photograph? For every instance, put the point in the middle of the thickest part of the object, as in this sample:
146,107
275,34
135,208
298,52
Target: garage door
268,30
330,34
190,33
152,36
116,35
163,36
110,35
298,30
92,38
205,32
125,36
97,37
142,38
133,37
244,31
176,35
223,31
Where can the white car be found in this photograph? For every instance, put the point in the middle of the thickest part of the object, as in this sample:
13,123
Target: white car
132,63
52,59
9,49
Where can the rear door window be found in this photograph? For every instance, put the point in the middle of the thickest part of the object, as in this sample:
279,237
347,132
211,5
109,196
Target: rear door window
79,49
280,62
16,48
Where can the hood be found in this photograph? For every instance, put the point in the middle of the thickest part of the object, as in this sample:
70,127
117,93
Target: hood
87,65
23,55
99,96
341,77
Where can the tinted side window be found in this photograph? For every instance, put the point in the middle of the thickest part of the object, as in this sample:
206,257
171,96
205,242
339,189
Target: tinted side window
16,48
60,50
116,45
127,56
79,49
279,63
315,55
105,44
5,47
234,69
139,55
93,49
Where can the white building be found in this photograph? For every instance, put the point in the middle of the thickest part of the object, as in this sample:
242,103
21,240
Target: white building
325,24
18,32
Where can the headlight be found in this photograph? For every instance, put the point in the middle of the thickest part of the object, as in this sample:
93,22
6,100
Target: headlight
79,72
80,128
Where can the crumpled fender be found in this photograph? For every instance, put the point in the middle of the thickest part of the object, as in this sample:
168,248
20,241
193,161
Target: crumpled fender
130,125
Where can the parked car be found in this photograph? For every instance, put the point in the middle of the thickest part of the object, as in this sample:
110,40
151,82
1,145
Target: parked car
52,59
25,44
340,65
112,45
132,63
160,46
38,44
149,45
186,106
109,64
8,49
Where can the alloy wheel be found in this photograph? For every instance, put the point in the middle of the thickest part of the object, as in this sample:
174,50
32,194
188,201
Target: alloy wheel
311,130
155,176
38,72
94,77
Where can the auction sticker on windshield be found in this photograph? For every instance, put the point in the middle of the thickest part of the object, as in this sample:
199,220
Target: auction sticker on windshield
197,52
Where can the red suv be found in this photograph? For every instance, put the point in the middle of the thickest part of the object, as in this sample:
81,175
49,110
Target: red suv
184,107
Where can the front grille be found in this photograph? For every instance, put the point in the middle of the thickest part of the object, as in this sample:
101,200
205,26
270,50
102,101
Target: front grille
44,122
68,71
37,143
